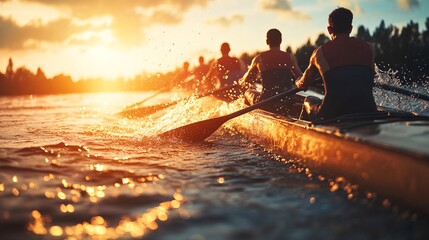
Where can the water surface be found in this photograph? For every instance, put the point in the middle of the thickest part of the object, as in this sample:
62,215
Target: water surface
72,169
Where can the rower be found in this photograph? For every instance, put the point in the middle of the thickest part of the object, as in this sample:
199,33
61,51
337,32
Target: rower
276,70
346,65
225,71
200,72
184,79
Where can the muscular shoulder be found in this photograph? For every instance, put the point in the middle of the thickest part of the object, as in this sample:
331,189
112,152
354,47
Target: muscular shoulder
257,60
317,53
275,53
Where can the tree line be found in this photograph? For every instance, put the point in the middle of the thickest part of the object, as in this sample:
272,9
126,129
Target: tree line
404,51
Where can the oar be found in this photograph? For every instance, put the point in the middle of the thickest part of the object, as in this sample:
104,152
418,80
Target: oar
163,89
145,111
198,131
402,91
144,100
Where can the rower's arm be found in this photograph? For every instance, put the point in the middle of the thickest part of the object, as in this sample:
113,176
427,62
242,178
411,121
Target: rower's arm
310,74
251,75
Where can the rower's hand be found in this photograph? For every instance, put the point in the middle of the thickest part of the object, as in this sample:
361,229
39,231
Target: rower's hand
300,85
243,83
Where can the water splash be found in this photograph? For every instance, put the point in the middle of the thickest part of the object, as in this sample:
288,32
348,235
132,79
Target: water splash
399,101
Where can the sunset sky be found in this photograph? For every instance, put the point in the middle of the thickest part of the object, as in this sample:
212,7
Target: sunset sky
112,38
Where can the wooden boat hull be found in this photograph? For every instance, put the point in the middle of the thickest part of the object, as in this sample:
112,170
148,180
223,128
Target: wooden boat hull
390,159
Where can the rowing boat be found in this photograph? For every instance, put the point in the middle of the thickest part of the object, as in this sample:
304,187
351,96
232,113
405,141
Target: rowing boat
385,152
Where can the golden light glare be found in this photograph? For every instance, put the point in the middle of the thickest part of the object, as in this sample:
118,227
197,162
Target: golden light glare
15,192
32,185
61,195
49,195
55,162
126,180
38,225
220,180
98,167
334,187
67,208
64,182
99,227
56,231
178,196
36,214
48,177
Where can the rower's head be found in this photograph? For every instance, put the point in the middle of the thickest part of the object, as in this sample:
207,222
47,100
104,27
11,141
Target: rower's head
274,38
340,22
201,60
185,66
224,49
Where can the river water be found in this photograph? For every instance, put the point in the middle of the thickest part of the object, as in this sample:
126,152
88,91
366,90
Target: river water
72,169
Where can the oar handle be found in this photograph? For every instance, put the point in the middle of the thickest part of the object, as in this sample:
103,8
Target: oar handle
263,102
269,100
130,111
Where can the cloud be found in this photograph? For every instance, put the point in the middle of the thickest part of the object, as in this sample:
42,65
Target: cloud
408,4
353,5
16,37
283,5
226,21
283,8
127,24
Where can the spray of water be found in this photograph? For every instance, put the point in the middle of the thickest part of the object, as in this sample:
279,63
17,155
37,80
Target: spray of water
398,101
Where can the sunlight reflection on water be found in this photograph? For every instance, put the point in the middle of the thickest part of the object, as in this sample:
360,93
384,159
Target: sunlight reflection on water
73,169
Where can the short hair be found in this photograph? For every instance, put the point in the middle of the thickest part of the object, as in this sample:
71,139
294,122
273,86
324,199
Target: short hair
274,37
340,20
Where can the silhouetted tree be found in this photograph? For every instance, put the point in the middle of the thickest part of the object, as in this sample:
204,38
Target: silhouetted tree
363,34
303,54
425,34
321,39
247,58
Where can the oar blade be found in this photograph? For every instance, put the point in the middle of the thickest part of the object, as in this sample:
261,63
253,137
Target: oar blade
198,131
195,132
